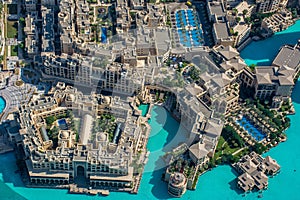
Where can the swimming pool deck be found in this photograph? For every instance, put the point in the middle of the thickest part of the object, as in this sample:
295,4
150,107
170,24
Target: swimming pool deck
251,129
188,28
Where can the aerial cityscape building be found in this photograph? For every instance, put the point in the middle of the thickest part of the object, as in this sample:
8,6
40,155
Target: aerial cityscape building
74,74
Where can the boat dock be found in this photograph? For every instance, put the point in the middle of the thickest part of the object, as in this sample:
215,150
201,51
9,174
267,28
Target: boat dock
76,190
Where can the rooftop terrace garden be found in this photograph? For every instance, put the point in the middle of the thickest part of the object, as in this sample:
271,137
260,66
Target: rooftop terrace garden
105,123
61,122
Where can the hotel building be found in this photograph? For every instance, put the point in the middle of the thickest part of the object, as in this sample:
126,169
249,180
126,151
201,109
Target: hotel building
100,161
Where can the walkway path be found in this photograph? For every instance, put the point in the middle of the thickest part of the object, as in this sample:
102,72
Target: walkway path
238,151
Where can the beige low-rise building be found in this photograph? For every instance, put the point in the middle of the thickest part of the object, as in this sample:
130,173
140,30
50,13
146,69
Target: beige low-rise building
254,170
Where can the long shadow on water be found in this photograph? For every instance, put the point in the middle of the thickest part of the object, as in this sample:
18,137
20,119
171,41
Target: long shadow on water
296,93
7,169
170,125
233,183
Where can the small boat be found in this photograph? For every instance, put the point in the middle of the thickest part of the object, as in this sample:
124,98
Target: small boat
105,192
93,192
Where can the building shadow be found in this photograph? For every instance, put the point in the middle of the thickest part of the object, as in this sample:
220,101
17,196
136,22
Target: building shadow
172,127
233,183
296,93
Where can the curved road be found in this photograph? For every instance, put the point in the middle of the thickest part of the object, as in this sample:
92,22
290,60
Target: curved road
14,96
5,95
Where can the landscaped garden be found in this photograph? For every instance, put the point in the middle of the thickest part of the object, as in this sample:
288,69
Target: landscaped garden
12,29
14,51
229,143
259,126
53,128
106,123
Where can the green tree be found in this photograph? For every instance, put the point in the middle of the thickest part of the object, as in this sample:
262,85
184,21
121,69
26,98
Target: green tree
21,20
50,120
248,101
259,148
232,136
234,11
55,131
194,73
21,45
252,67
245,12
247,20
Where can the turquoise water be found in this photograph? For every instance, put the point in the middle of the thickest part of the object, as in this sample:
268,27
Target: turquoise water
263,52
2,104
144,108
251,129
216,184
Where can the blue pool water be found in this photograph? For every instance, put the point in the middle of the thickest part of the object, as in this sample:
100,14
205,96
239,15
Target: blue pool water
62,124
2,104
252,130
214,185
103,35
192,37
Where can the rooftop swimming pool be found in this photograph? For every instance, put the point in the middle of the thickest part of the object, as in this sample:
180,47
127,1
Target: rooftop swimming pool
103,35
62,123
251,129
188,28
